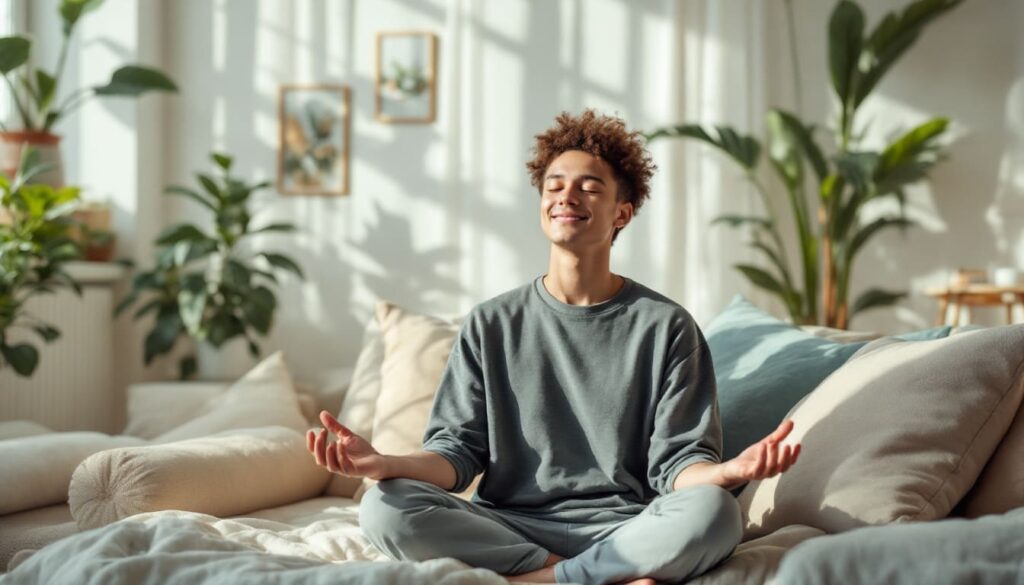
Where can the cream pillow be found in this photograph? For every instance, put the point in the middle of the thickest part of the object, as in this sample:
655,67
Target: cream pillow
1001,485
263,397
396,375
155,408
898,433
360,400
234,472
35,471
416,349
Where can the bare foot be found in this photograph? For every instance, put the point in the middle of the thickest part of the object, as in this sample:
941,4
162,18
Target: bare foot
643,581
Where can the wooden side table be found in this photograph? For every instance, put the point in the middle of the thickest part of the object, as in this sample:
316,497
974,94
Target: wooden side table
976,295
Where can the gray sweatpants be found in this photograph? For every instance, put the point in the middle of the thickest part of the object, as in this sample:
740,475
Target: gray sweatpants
678,536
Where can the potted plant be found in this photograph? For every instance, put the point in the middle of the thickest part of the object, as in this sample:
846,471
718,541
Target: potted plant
36,94
34,246
92,231
207,284
829,233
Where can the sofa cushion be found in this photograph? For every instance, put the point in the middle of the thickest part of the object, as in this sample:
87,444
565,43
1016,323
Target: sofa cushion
984,551
230,473
1000,487
755,562
899,433
265,396
763,366
32,530
36,470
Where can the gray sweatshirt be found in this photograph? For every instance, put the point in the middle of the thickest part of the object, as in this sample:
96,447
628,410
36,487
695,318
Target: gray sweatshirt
581,413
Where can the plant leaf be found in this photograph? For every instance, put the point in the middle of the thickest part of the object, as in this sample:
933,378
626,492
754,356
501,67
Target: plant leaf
743,149
185,192
845,39
23,357
738,220
275,227
863,234
45,84
48,332
133,80
179,233
14,52
284,262
875,297
223,161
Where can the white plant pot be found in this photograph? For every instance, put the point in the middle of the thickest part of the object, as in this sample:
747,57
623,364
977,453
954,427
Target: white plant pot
227,363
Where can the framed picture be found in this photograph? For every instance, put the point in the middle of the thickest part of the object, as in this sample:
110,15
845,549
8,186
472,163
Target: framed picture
406,79
313,139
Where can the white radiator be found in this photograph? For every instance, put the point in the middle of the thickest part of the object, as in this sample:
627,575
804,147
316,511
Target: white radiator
74,387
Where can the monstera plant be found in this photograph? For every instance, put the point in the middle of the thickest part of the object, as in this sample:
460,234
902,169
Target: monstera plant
207,282
34,247
827,188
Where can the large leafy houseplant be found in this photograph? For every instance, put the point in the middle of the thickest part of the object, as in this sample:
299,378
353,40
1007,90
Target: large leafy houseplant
827,217
34,247
207,284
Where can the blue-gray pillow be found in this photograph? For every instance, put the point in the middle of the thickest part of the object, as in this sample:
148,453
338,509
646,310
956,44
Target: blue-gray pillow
763,367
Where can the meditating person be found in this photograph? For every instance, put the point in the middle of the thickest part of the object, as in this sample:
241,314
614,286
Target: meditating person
586,400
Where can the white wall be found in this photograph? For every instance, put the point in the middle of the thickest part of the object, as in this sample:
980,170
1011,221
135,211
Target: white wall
442,216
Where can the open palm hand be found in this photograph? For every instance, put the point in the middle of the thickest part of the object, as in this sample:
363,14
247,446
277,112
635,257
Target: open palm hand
765,458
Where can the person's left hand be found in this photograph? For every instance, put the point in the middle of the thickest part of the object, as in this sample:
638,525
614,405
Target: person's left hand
765,458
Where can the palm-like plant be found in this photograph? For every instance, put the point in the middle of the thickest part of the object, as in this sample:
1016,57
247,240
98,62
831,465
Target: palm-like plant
207,284
830,235
34,247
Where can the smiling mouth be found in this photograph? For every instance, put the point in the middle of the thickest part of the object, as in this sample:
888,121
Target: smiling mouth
569,218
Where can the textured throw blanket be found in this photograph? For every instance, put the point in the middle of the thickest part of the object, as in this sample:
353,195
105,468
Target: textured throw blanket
188,548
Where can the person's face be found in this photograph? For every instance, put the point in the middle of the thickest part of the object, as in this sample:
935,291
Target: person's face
579,206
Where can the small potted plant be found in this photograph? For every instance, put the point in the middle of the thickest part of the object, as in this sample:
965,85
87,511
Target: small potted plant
208,284
37,98
34,246
92,231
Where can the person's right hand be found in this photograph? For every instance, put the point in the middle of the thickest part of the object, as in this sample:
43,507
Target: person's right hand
350,455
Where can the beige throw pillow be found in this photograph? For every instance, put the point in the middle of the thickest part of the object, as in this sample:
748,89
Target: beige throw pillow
263,397
898,433
416,349
360,401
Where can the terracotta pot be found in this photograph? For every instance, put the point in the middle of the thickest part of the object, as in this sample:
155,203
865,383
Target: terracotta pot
48,145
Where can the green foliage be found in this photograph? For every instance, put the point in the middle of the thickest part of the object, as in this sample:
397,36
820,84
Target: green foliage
830,234
34,247
207,284
35,103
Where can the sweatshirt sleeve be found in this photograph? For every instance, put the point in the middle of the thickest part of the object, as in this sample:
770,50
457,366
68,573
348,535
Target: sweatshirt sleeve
687,427
457,428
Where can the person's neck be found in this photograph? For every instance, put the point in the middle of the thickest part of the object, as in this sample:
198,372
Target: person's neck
582,280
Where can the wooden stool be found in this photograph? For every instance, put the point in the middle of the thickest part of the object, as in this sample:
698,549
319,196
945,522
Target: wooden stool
976,295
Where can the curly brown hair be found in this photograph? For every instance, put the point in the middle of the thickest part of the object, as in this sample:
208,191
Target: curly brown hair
603,136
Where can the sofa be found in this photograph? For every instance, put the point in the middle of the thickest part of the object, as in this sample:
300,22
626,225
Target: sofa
913,449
